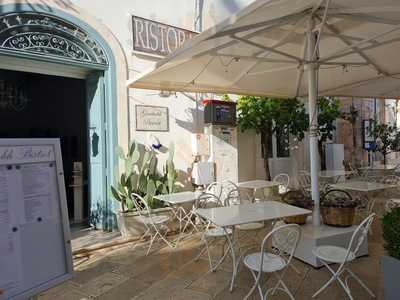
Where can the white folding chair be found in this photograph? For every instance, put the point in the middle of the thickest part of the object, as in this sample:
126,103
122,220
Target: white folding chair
236,197
155,224
284,181
285,238
211,234
221,189
338,255
392,180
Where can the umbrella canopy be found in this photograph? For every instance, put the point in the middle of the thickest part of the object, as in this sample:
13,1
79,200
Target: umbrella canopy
291,48
261,50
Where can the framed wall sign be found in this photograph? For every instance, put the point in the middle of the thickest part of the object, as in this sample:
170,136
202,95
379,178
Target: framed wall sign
152,118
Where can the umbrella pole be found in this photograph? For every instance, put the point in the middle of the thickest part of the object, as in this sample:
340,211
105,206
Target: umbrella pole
312,102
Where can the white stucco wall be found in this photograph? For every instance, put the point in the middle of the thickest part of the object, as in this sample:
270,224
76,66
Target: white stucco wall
116,15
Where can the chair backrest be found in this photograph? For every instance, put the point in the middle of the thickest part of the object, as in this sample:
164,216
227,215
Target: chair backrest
207,200
391,179
221,189
359,235
236,197
141,205
285,239
304,179
283,180
144,211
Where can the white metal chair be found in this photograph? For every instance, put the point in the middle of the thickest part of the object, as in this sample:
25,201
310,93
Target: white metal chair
392,180
211,234
391,203
284,181
221,189
285,238
236,197
155,224
338,255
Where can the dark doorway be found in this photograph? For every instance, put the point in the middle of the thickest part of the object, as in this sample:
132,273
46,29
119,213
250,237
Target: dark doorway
42,106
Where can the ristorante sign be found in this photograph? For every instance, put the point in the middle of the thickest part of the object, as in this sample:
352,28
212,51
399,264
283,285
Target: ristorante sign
157,38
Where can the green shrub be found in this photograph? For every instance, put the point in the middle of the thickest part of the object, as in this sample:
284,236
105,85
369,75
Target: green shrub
391,232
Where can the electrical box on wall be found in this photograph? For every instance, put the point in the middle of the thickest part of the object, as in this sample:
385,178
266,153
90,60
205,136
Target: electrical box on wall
218,112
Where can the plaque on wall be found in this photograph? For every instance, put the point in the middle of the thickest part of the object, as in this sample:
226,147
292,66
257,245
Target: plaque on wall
152,118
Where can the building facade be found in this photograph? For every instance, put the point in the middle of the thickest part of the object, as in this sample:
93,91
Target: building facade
64,65
63,72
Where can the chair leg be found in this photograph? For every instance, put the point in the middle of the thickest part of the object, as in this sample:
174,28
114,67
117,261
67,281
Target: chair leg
286,289
295,269
346,288
335,276
361,283
151,243
256,284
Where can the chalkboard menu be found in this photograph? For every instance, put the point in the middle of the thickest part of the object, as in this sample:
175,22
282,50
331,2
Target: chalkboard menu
35,250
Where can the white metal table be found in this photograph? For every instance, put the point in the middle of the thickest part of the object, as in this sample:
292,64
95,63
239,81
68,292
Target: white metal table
333,174
177,201
362,186
258,184
229,216
378,169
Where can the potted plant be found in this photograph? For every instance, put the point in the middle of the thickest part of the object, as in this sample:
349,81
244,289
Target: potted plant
391,262
298,199
141,176
338,208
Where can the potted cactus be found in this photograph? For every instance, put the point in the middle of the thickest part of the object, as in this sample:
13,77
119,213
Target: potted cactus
140,176
391,261
338,208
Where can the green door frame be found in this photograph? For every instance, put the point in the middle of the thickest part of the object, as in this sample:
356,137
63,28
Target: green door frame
101,83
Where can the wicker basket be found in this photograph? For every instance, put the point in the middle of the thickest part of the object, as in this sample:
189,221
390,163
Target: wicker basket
300,220
338,216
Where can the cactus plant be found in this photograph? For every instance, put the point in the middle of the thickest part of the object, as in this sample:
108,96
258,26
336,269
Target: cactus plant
140,176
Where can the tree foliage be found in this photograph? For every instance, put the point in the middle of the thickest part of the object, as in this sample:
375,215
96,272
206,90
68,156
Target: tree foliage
274,115
387,138
260,113
328,112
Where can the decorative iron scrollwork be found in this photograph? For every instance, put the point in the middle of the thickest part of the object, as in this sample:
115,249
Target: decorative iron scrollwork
47,35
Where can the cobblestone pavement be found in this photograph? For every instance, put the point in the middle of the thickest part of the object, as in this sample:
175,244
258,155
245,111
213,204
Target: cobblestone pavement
124,272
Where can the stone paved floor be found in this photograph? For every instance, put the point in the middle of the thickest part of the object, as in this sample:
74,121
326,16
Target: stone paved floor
124,272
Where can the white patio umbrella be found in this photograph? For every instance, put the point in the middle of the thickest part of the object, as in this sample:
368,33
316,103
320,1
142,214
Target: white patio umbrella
291,48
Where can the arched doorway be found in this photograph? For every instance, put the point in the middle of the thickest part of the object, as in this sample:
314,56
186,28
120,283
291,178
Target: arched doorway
58,44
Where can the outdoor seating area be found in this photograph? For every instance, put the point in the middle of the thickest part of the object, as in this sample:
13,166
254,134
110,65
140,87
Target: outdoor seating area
241,149
125,272
228,244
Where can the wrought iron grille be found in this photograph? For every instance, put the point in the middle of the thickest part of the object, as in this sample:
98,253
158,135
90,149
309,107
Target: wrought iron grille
50,36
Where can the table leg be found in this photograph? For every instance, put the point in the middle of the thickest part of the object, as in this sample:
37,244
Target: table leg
233,254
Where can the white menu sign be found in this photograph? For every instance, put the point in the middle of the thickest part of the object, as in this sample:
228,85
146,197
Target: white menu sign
35,252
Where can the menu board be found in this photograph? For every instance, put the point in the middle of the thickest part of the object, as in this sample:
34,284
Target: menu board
35,251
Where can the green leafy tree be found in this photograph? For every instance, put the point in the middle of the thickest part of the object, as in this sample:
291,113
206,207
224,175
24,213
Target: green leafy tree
387,138
328,112
272,115
285,116
352,117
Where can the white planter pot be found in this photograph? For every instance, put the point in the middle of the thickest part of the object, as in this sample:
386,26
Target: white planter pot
391,275
130,225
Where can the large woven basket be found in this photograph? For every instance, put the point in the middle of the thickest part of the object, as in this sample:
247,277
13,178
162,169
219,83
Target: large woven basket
301,219
338,216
